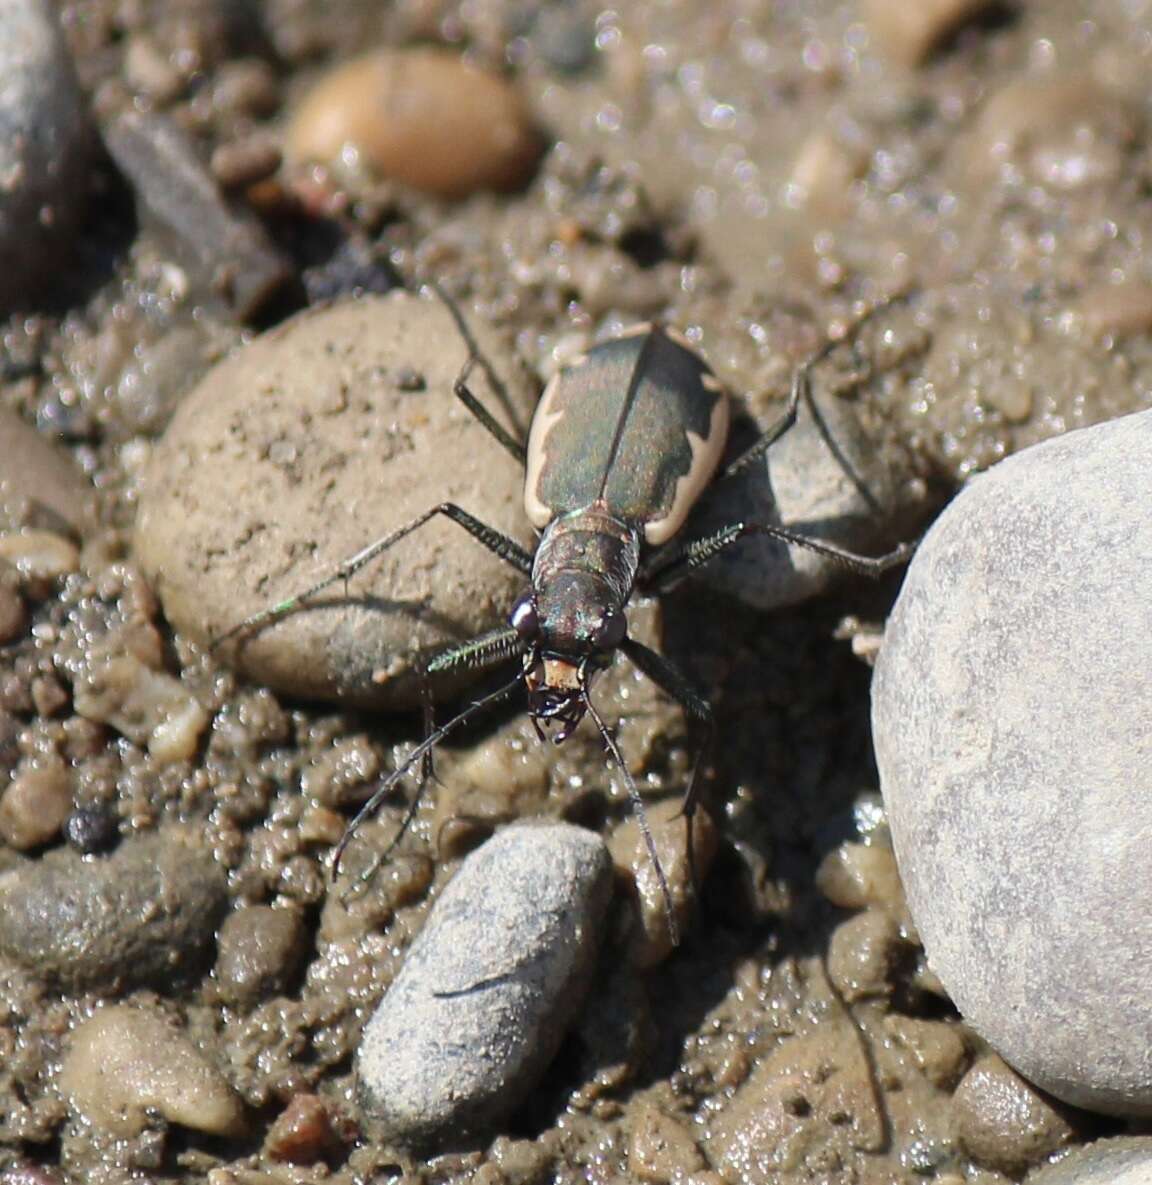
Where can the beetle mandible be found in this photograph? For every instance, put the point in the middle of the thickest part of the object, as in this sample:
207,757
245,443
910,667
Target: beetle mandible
622,444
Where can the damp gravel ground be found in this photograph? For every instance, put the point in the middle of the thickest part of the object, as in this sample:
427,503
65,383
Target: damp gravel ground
183,988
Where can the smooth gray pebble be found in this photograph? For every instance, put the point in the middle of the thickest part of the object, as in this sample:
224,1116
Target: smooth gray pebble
1122,1160
488,988
44,148
146,914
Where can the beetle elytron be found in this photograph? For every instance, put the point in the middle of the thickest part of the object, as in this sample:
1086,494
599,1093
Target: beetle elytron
622,444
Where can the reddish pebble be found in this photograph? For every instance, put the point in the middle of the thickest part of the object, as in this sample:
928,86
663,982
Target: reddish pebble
303,1132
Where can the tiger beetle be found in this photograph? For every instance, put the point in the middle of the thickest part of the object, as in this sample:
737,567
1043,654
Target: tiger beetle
623,442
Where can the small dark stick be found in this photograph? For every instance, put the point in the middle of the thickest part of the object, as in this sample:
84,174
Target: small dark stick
623,443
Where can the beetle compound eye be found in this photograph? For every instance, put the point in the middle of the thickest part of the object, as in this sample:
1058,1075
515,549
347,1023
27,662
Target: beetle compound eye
523,619
610,632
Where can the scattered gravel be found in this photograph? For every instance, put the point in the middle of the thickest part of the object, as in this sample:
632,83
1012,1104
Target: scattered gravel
39,486
44,142
488,989
125,1063
1010,718
144,915
300,450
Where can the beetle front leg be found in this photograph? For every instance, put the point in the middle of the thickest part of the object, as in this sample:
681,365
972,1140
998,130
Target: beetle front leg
495,541
699,710
668,568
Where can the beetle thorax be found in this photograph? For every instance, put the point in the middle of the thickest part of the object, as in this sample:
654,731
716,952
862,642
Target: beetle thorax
582,577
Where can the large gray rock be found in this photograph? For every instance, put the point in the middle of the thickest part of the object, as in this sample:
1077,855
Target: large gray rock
489,987
1011,710
44,148
1124,1160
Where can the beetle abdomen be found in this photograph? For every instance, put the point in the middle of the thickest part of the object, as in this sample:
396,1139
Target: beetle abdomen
637,425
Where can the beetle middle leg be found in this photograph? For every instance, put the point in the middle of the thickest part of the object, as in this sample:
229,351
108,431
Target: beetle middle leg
495,541
668,568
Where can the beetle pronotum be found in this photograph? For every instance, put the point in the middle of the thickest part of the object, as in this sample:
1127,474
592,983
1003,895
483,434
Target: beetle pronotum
622,444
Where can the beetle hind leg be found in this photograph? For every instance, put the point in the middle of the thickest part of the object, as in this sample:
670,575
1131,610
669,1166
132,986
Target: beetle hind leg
477,358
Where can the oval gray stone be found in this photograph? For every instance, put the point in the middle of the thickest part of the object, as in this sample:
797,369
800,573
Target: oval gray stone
1011,718
146,914
1123,1160
44,148
299,450
488,988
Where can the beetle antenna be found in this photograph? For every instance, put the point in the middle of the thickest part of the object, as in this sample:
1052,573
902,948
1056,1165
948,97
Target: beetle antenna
641,815
418,754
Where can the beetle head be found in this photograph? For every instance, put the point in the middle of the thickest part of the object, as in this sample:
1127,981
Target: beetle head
576,616
571,630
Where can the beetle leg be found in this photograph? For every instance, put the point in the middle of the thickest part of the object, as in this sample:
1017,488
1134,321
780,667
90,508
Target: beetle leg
498,543
665,675
801,389
670,680
481,652
417,755
462,392
669,569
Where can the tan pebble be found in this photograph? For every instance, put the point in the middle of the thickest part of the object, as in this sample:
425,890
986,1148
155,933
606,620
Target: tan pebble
48,695
856,875
629,852
938,1047
238,507
149,707
1005,1122
1064,131
863,954
35,805
13,614
124,1062
259,952
39,556
910,33
147,70
302,1133
662,1148
823,173
319,825
423,117
1116,310
244,162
